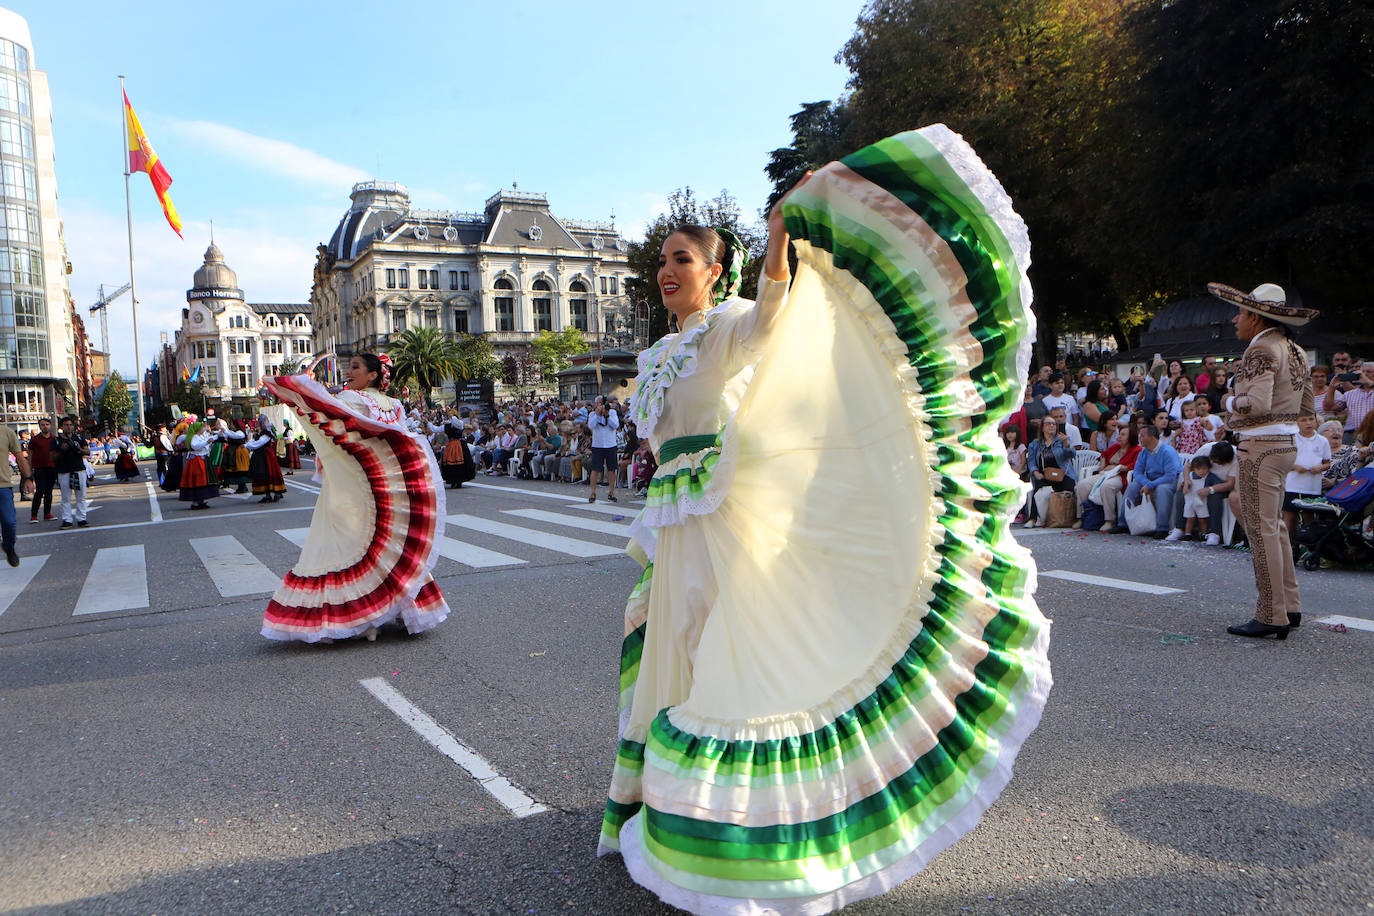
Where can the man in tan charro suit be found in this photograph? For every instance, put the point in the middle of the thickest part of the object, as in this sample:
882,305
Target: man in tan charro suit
1273,387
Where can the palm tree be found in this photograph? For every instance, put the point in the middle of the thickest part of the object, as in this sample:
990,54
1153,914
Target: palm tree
425,356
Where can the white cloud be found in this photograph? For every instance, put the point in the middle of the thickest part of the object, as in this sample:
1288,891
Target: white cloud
276,156
272,267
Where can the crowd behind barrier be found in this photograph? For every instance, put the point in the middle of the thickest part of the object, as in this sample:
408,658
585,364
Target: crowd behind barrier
1152,454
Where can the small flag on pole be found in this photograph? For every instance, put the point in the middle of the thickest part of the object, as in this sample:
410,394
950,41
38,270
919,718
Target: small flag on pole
142,158
185,374
195,376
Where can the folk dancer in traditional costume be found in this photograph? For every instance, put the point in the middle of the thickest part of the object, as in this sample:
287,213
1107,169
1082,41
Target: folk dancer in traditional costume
263,468
824,682
126,466
292,462
456,464
197,484
234,460
176,456
1273,389
378,519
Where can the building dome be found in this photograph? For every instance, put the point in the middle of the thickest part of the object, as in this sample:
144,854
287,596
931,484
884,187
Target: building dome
375,206
215,279
214,273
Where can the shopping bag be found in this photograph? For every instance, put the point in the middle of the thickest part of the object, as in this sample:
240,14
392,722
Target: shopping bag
1062,511
1140,518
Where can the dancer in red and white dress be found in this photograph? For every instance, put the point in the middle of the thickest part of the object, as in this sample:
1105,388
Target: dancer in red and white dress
372,544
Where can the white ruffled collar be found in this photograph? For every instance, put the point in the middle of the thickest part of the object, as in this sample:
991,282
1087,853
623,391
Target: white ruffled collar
673,357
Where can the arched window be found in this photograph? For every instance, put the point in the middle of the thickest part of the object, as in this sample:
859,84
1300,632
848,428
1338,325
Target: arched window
542,286
578,306
503,283
505,306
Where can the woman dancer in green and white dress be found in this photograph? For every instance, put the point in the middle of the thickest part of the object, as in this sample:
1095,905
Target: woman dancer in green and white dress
832,656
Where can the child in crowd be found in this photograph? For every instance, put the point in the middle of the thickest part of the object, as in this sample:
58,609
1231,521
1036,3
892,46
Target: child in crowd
1305,479
1192,433
1195,514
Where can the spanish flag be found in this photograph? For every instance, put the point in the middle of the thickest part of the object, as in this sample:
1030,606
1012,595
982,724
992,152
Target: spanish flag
142,158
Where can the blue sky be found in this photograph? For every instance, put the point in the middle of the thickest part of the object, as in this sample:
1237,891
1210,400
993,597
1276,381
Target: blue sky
266,113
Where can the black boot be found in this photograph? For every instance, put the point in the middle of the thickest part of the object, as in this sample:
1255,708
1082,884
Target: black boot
1294,619
1258,630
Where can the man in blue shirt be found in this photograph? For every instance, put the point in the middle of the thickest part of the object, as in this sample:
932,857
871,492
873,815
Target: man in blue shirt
1156,476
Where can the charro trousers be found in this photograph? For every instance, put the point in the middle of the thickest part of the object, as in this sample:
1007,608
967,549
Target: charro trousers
1264,465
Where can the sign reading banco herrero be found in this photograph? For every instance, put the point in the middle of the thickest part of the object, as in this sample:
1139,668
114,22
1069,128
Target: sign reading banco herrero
215,292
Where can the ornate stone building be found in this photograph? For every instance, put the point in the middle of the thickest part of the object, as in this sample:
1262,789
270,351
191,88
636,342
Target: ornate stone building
506,273
234,343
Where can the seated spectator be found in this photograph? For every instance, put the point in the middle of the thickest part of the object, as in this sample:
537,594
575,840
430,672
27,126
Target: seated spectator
1049,458
1192,433
1103,438
1304,481
1157,469
1016,450
1346,459
1194,488
1180,393
1164,425
1060,417
1104,485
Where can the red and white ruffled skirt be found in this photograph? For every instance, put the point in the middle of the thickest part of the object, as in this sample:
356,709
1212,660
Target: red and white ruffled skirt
372,544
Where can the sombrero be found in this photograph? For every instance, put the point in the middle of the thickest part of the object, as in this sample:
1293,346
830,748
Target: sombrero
1267,299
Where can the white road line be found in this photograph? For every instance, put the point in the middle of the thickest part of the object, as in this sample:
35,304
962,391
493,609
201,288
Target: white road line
520,490
155,511
294,535
118,581
467,554
302,486
1351,623
197,517
533,537
234,570
616,529
500,788
625,508
472,555
1105,582
11,584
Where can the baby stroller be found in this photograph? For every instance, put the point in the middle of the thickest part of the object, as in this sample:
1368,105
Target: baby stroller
1336,532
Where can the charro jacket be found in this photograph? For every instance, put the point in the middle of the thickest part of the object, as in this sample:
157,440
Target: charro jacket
1272,385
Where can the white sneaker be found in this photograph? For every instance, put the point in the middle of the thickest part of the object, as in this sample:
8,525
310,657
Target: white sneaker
1175,535
1213,540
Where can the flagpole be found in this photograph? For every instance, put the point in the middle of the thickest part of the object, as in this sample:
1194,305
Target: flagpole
129,219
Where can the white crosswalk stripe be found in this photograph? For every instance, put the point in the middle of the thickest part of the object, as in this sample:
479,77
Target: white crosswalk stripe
624,507
234,570
616,529
533,537
11,584
118,581
459,552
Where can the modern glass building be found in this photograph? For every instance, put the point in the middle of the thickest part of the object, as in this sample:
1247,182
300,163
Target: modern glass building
38,369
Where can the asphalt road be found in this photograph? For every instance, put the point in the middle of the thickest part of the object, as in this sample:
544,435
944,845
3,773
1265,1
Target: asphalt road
166,759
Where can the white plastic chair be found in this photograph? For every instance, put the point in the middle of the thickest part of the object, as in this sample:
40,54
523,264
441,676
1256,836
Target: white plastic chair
1086,461
1228,523
514,464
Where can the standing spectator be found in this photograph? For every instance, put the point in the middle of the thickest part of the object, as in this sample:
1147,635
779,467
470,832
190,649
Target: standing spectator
44,476
1312,461
1357,402
1049,458
1271,388
1016,449
1157,469
1193,487
9,442
1215,426
1321,376
1057,398
1217,390
1204,378
1340,363
69,454
1040,385
604,421
1095,409
1192,433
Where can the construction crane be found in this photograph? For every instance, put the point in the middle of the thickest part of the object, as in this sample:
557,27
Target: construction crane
101,305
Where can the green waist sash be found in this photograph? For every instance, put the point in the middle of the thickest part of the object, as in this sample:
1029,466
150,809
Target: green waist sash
684,445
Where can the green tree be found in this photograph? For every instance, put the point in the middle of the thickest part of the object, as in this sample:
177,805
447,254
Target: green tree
425,357
820,132
115,403
478,360
190,397
292,365
551,351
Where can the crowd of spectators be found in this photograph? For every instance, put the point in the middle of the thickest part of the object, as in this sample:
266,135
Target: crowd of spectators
1160,433
538,439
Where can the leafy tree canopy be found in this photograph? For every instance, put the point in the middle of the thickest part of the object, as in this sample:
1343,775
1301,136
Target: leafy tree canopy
551,351
115,403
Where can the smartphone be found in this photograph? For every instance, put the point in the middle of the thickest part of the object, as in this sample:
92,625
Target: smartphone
1348,377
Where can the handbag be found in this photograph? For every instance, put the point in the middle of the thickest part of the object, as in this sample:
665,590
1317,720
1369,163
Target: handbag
1141,517
1053,475
1094,517
1062,511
